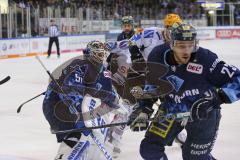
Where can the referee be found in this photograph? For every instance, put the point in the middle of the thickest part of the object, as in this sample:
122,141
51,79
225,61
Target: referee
53,33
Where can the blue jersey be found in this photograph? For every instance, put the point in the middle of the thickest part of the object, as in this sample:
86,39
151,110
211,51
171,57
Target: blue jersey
79,78
75,79
190,81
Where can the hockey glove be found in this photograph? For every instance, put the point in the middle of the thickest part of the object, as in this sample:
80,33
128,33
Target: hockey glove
202,107
139,119
136,55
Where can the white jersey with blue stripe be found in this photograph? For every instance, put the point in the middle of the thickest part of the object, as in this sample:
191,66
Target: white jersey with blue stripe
147,39
121,49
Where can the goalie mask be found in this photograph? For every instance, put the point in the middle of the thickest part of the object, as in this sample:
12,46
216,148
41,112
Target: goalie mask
95,52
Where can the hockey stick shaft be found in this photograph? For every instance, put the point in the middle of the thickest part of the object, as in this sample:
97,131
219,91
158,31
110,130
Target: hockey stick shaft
178,116
73,109
101,147
89,128
20,107
5,80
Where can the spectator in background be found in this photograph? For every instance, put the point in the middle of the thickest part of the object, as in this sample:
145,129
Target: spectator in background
34,32
53,33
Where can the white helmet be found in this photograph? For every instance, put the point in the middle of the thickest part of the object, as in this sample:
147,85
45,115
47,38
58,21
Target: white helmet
96,52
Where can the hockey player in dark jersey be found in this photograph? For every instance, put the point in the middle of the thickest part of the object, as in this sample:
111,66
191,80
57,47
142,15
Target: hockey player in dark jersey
127,28
202,82
64,97
124,75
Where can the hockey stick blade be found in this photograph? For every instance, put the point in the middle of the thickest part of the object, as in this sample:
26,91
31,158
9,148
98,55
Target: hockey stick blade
5,80
20,107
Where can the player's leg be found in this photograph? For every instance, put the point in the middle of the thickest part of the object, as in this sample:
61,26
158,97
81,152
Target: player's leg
201,136
70,144
50,109
115,133
158,135
152,149
73,148
57,45
50,46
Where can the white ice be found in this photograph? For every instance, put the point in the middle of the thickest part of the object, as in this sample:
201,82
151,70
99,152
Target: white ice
26,136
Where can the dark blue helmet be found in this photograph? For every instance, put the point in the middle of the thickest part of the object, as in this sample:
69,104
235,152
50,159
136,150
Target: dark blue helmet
183,32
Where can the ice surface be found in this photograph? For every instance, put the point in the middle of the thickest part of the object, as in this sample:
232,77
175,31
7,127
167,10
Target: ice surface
26,136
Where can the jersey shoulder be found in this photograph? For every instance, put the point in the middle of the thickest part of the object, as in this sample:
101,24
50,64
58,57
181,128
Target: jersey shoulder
158,53
205,56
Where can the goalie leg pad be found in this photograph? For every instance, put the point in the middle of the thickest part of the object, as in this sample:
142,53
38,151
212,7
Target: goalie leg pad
50,102
77,152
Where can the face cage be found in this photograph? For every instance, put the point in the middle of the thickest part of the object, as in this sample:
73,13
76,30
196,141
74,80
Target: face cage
98,56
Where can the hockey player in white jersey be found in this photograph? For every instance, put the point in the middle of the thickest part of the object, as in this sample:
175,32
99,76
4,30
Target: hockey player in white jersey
121,61
140,45
145,39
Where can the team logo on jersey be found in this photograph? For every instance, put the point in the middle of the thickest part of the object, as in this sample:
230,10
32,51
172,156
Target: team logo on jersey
195,68
175,81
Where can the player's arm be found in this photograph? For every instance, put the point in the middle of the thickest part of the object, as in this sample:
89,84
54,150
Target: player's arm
135,47
79,76
225,77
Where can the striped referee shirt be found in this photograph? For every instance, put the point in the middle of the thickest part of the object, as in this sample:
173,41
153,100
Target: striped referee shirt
53,31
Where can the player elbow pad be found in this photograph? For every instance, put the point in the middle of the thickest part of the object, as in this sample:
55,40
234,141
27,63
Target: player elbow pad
223,97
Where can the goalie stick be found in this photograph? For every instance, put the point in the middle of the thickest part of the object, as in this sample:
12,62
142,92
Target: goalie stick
5,80
101,147
72,108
